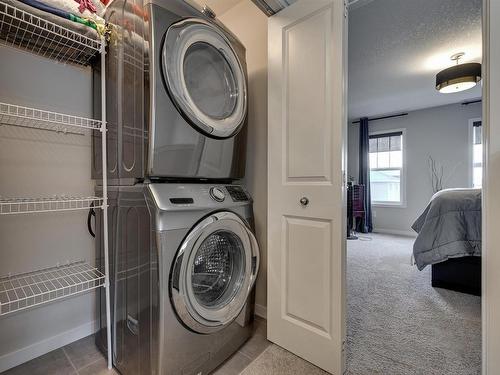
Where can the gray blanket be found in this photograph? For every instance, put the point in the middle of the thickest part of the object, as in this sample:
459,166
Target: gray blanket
449,227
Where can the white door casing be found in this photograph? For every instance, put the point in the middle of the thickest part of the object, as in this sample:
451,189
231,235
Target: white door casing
491,183
306,159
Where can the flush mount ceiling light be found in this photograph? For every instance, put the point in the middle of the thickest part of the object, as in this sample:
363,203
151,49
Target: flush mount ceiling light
459,77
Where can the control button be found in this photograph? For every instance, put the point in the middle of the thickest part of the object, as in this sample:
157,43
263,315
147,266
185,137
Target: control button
217,194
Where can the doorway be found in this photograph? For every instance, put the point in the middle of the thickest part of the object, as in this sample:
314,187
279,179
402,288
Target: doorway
491,204
408,310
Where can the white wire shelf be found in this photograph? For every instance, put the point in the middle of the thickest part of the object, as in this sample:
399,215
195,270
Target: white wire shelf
34,34
23,291
15,115
12,206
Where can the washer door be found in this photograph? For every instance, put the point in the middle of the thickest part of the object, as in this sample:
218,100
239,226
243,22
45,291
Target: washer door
213,272
205,78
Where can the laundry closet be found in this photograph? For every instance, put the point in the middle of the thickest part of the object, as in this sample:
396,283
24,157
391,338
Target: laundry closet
161,220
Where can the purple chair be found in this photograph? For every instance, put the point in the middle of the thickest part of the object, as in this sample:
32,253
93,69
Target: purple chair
358,202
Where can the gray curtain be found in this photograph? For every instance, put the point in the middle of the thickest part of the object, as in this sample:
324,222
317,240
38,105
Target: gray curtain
365,225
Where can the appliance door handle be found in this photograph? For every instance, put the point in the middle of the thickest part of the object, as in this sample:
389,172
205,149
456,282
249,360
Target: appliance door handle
255,255
89,219
132,325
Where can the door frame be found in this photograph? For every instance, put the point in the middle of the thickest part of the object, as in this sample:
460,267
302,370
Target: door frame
491,183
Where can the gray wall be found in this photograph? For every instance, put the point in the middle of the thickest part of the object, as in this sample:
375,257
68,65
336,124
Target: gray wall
441,132
40,163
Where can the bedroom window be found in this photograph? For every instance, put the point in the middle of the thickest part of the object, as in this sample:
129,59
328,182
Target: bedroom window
386,168
477,153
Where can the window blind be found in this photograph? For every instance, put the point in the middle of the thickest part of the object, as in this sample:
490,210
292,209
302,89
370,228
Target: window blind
385,142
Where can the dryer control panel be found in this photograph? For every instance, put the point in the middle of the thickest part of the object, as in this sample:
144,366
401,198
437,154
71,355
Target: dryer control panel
237,193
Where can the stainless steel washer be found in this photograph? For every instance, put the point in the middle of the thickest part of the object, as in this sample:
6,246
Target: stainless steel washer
185,261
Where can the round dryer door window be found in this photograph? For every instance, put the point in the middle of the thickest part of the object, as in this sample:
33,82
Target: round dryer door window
214,271
205,77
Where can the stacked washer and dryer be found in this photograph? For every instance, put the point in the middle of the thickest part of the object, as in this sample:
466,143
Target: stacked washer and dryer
184,258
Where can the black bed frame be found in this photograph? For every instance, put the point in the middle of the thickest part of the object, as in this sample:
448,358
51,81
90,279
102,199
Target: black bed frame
458,274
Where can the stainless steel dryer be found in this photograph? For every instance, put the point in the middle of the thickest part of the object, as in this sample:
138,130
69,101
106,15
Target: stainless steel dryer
184,265
185,115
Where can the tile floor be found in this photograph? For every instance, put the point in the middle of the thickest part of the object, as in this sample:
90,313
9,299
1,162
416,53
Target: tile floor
78,358
83,358
248,352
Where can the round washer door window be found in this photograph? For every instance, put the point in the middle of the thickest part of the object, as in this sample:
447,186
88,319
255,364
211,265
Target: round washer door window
218,269
214,271
205,78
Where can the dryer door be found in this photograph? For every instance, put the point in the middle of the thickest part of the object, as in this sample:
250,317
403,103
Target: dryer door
213,272
205,78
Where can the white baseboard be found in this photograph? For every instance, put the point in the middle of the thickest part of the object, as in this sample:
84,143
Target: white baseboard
37,349
261,311
406,233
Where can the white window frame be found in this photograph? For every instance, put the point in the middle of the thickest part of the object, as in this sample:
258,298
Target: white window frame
402,203
471,148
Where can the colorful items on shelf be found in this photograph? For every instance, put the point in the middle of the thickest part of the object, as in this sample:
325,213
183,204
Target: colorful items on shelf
86,4
85,12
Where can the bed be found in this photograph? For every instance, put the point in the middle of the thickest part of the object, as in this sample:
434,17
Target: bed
449,240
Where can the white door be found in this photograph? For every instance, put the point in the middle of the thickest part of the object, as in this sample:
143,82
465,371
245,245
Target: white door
306,217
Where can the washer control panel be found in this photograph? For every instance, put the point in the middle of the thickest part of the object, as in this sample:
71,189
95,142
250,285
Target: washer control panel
179,197
217,194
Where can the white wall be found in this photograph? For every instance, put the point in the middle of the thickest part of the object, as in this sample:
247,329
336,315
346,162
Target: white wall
250,25
441,132
40,163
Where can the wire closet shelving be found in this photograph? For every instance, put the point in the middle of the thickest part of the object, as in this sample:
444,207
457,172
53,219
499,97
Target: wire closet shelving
16,115
32,33
11,206
23,291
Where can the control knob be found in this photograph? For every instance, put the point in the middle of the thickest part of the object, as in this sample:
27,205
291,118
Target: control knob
217,194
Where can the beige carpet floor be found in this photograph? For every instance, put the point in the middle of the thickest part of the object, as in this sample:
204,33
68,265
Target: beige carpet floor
397,323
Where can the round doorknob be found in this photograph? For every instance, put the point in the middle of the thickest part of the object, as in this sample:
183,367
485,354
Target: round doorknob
304,201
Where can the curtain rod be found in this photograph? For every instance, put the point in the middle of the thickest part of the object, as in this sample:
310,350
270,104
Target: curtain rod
406,114
382,117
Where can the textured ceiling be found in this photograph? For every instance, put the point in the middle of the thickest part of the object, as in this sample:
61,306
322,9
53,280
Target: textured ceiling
397,46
